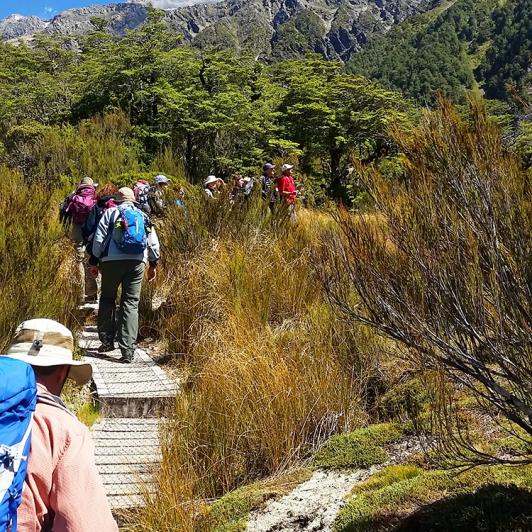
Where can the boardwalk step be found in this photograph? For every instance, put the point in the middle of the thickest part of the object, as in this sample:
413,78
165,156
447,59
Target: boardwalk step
132,399
138,390
126,463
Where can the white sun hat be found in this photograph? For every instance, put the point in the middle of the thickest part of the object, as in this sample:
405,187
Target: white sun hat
287,167
210,179
45,343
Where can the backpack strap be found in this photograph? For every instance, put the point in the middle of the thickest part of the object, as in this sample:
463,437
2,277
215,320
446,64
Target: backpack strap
50,399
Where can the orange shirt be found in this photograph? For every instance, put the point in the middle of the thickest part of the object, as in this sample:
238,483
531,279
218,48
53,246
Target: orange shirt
62,486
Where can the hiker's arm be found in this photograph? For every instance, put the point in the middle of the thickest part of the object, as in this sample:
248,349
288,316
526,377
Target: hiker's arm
78,498
154,248
100,236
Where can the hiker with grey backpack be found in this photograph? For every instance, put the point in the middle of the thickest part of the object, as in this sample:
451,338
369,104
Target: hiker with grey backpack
124,242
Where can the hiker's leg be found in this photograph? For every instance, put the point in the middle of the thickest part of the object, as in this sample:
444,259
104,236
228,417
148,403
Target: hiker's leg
292,212
82,268
129,308
91,285
111,279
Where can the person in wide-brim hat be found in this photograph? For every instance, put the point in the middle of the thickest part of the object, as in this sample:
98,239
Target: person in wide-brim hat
46,343
63,489
125,194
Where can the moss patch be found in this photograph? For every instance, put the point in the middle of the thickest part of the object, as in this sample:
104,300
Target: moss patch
230,512
484,499
387,477
359,449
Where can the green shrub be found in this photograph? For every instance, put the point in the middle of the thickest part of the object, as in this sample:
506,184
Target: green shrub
403,401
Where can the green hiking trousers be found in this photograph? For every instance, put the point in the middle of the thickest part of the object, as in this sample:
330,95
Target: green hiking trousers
124,325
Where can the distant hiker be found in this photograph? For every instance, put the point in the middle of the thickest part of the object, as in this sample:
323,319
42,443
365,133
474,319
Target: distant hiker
124,241
180,200
268,186
212,186
287,188
238,188
62,491
249,185
142,191
76,209
158,195
105,199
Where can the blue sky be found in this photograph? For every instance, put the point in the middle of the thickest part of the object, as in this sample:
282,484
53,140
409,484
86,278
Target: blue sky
44,8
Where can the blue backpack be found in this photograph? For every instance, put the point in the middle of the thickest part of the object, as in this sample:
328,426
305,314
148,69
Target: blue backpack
18,397
132,229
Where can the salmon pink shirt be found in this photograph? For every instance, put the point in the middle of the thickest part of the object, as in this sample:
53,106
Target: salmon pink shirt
63,491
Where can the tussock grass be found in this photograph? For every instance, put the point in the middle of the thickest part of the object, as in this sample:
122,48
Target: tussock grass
273,371
36,270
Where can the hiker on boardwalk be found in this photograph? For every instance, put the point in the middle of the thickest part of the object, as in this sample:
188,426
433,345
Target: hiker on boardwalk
62,491
238,188
268,186
287,188
124,241
212,186
180,199
75,209
105,199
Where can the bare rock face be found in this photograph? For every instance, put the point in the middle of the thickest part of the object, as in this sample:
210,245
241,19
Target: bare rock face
17,26
270,29
119,17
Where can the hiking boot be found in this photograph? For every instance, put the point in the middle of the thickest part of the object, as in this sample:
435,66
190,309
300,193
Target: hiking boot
126,359
106,347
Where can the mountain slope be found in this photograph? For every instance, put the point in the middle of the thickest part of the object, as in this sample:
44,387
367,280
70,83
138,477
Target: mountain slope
466,44
16,26
269,28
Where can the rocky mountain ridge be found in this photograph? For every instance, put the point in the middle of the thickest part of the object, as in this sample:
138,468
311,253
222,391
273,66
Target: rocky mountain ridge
269,28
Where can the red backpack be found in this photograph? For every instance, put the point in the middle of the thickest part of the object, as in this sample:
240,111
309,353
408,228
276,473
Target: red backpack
81,204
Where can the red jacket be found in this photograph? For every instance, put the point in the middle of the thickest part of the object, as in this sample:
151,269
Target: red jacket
287,184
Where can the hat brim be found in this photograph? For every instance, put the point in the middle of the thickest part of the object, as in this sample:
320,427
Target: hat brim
80,372
125,201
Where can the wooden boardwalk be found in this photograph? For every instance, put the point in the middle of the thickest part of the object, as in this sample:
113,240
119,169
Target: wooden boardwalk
132,399
127,452
140,389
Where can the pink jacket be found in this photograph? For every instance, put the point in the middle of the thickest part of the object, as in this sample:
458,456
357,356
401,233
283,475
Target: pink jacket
63,491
